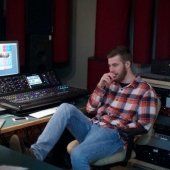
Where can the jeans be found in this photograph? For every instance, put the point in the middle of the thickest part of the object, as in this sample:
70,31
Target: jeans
95,142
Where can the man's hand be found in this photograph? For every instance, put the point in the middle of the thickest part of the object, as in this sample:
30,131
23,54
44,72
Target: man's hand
106,80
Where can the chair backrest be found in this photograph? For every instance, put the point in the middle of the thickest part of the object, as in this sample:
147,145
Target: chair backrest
144,139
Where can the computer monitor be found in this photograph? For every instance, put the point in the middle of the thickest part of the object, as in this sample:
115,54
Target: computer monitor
9,58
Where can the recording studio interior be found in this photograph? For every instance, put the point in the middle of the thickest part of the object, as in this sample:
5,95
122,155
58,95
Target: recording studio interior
55,51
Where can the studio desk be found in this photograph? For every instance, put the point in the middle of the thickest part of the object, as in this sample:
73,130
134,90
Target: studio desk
12,158
11,126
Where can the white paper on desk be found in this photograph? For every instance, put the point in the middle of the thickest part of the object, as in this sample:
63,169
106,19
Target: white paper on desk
1,109
9,167
44,113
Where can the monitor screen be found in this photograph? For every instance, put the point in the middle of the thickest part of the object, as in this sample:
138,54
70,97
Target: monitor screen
9,59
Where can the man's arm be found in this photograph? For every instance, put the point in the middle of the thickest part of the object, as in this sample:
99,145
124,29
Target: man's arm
97,96
95,100
147,111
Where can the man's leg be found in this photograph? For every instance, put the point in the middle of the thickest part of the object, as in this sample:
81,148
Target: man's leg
99,143
66,116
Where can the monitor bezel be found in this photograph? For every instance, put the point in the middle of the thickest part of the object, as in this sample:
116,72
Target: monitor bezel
17,57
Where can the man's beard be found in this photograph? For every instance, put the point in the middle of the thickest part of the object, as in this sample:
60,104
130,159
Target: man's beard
121,76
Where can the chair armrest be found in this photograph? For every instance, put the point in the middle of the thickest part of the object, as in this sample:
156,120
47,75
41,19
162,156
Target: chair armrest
129,135
132,132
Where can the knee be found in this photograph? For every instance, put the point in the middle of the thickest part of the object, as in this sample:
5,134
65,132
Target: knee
66,106
66,109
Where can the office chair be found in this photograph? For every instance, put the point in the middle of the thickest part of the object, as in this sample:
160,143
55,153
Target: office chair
134,136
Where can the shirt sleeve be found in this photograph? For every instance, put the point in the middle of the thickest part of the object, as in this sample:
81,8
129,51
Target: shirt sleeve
95,100
147,111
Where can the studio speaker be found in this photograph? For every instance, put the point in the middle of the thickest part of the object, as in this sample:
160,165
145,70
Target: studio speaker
39,54
39,15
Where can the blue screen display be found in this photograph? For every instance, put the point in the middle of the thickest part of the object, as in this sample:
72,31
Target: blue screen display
9,59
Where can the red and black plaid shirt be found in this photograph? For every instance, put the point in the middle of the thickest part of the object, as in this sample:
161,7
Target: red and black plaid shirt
131,106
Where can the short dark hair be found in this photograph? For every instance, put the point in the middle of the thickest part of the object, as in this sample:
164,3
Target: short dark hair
123,51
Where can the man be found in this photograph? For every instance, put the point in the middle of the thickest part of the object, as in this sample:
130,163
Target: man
120,100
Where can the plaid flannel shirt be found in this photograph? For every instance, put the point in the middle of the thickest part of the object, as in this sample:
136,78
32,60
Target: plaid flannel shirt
131,106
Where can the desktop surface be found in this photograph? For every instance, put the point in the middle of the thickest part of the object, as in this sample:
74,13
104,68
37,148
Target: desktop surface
11,125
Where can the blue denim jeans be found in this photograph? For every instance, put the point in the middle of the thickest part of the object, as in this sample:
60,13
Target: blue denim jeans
95,142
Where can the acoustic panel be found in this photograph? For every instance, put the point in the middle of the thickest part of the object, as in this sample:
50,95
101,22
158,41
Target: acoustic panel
112,23
2,21
96,68
163,33
143,31
61,31
15,25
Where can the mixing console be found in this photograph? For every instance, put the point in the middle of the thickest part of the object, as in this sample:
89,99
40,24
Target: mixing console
26,92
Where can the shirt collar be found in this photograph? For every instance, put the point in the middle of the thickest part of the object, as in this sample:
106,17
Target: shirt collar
135,82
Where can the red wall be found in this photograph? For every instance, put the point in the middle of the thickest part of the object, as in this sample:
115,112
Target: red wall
15,25
61,31
112,19
143,31
163,30
112,23
15,28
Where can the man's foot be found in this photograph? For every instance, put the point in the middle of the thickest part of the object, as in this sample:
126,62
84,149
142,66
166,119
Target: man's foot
17,145
14,144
